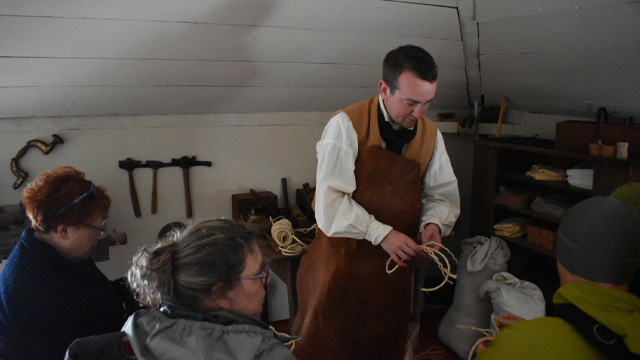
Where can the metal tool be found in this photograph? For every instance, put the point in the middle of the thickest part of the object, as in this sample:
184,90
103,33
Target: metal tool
155,165
602,112
286,211
185,163
44,147
505,100
129,164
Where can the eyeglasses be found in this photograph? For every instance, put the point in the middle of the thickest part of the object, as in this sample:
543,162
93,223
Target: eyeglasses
101,229
264,275
92,191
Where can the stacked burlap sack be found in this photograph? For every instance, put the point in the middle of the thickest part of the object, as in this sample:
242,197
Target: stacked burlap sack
483,290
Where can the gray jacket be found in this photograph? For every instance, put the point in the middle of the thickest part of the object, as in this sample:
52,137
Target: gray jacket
173,333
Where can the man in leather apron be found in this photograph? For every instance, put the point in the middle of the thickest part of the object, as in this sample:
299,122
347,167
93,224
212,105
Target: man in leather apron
384,178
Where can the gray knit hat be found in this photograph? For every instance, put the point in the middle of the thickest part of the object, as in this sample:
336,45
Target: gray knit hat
599,240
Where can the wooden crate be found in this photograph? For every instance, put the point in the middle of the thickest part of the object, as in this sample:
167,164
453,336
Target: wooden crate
242,202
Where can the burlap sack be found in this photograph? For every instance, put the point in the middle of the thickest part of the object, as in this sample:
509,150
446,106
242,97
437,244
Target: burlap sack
510,295
480,259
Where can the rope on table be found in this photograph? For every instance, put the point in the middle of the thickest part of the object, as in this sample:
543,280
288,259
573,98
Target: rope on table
433,253
284,235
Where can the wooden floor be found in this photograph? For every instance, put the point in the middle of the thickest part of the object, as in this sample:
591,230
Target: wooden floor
428,341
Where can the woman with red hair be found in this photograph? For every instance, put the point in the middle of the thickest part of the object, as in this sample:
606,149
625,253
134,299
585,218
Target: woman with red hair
51,291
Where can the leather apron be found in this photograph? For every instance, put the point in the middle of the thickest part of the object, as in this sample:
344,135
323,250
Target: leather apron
348,306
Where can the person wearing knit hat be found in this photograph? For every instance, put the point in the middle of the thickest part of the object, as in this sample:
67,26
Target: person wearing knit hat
597,251
628,193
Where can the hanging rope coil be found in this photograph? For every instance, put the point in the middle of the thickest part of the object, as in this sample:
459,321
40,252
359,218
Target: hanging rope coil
433,253
284,235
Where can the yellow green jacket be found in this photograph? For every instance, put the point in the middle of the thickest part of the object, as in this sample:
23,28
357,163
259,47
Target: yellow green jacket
551,338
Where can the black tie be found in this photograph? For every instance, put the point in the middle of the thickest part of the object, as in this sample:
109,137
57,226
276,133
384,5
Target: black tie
395,139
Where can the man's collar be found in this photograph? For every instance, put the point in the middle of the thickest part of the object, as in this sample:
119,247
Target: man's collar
386,115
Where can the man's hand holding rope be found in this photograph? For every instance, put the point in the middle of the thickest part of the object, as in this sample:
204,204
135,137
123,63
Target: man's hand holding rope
431,236
400,247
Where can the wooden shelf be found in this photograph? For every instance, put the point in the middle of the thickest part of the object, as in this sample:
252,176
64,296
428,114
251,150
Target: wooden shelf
552,152
523,242
531,213
560,185
504,163
483,128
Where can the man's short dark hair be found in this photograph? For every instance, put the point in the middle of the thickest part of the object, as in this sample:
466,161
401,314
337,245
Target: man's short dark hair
408,58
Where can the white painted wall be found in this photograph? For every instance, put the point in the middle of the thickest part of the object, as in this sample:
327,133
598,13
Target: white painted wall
247,151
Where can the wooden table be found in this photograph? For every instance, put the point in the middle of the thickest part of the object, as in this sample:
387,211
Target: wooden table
286,267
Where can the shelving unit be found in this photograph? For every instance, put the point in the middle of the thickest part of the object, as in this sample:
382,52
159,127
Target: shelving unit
498,163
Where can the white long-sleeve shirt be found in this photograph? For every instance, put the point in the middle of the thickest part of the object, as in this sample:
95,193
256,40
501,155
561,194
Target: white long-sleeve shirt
339,215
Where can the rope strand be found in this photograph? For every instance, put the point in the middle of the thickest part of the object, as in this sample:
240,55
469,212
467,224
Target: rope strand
433,253
488,335
291,344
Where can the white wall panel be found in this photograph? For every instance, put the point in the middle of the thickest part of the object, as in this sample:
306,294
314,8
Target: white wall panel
78,57
589,30
576,96
449,3
117,72
85,38
596,65
379,17
489,10
68,101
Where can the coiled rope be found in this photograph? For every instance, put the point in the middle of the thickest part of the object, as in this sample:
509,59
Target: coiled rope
284,235
433,253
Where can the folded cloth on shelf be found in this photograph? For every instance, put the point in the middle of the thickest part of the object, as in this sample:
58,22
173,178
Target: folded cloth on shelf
582,178
515,197
547,172
511,228
553,205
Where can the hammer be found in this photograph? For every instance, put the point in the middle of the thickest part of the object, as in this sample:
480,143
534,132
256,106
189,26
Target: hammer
155,165
129,164
185,163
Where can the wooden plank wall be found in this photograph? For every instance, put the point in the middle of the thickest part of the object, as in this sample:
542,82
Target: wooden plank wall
119,57
564,57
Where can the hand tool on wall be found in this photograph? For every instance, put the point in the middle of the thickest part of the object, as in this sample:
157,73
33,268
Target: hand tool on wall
44,147
129,164
155,165
185,163
505,100
286,211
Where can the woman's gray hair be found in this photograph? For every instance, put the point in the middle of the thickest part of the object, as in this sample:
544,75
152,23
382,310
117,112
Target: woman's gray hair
183,270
